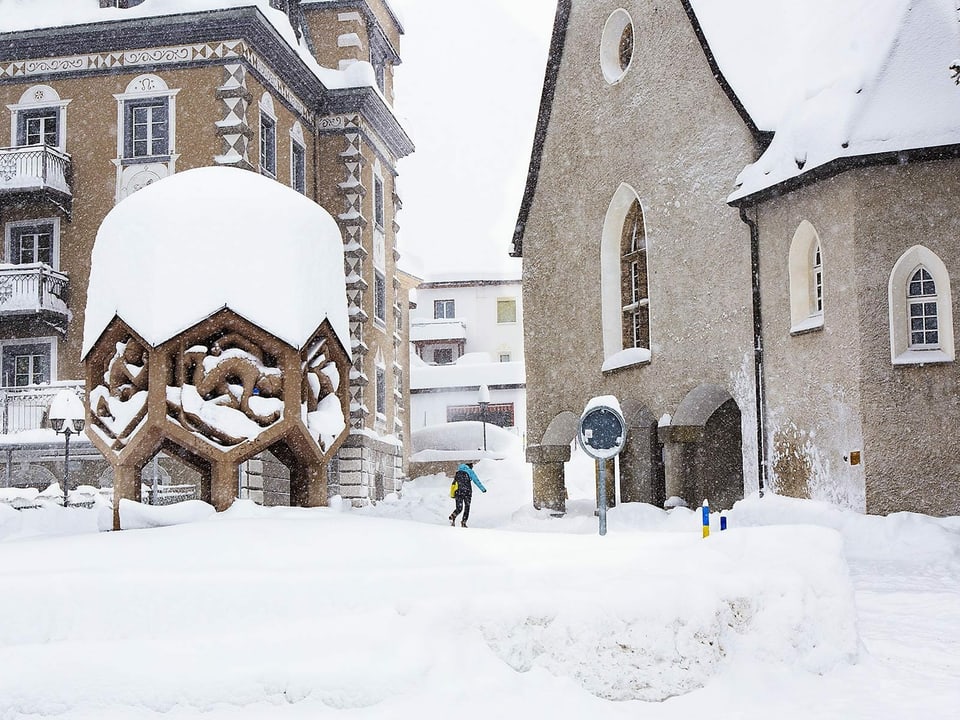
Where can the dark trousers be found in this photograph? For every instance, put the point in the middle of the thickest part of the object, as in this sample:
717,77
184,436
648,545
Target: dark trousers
463,503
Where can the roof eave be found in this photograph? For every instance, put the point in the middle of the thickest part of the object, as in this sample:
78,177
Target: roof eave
557,42
842,164
762,137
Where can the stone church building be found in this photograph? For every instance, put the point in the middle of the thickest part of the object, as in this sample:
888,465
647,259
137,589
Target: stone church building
746,221
104,97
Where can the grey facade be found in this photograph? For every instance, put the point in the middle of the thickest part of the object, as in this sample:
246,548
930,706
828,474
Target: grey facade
731,392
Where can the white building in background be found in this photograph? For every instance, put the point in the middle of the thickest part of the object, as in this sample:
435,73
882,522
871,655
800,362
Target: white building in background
466,330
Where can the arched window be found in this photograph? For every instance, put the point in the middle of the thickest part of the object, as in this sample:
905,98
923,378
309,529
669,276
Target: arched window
921,309
806,280
624,292
633,280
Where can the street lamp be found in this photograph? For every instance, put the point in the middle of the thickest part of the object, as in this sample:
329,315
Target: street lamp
484,400
66,418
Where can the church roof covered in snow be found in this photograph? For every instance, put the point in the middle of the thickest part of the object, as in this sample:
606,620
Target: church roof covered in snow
825,84
182,249
835,79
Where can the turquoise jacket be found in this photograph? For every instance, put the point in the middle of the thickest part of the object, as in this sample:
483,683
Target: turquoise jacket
473,476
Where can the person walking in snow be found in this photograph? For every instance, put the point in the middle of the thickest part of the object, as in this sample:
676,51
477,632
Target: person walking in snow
465,478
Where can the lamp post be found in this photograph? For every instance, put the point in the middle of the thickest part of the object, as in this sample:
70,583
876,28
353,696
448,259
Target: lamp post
66,418
484,400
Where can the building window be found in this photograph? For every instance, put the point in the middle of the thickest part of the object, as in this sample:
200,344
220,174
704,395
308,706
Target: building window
624,293
817,281
147,128
380,297
616,46
34,241
504,357
33,245
39,127
444,309
26,364
507,310
268,145
633,280
443,356
39,118
806,280
921,309
378,201
381,392
298,167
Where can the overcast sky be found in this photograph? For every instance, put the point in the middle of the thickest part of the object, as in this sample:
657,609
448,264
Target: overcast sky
467,93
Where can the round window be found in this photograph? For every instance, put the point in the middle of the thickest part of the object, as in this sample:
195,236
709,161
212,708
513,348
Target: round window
616,46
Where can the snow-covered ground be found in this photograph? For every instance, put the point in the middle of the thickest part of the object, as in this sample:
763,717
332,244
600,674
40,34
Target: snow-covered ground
799,609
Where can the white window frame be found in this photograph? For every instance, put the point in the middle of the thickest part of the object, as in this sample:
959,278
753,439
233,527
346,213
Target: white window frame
380,299
39,97
901,351
444,302
805,315
49,341
142,89
612,309
297,143
380,379
267,110
8,233
516,314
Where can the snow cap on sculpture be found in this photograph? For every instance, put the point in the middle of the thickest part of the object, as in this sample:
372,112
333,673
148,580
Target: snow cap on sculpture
178,251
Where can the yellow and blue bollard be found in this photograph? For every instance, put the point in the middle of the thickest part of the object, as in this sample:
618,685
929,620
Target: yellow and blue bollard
705,510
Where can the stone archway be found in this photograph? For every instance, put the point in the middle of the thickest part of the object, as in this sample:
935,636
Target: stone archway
703,449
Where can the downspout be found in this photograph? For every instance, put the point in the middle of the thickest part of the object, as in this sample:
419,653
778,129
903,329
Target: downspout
757,346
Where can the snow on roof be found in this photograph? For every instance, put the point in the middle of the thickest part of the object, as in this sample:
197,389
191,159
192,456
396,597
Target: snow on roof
473,277
21,15
466,375
421,330
179,250
836,79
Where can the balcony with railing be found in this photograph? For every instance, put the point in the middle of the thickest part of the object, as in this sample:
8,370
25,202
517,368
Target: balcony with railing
36,169
33,289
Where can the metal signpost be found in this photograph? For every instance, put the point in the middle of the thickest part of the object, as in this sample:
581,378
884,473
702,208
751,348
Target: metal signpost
602,435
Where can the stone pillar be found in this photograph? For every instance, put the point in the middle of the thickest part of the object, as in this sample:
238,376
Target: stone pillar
549,488
679,462
223,484
308,486
126,486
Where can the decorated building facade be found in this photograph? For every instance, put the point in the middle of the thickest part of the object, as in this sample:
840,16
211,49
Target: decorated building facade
104,98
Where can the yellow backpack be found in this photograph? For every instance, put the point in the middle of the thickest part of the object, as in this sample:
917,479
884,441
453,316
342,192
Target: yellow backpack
453,488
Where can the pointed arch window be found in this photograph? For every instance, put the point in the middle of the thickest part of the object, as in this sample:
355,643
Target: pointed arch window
624,291
633,280
921,309
806,280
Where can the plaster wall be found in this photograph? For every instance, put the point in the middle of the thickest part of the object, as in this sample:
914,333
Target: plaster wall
813,379
910,412
668,131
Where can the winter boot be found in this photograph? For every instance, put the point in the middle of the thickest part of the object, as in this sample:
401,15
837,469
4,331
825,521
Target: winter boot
453,520
463,523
